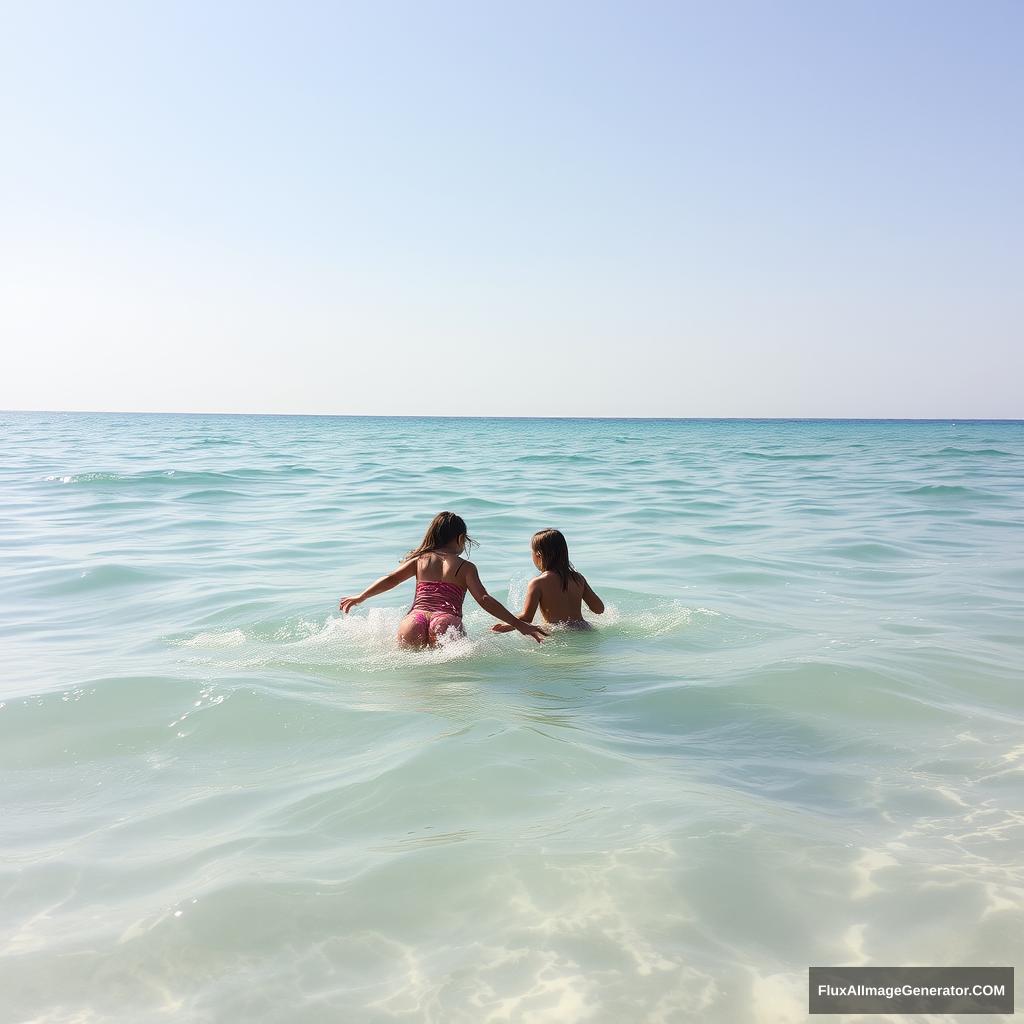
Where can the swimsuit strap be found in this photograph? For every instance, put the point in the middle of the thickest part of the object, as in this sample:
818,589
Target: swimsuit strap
455,575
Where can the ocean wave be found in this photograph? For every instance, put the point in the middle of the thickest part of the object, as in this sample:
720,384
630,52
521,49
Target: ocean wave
950,491
966,452
166,478
101,577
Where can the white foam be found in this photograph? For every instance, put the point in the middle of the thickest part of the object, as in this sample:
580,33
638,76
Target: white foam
214,640
367,639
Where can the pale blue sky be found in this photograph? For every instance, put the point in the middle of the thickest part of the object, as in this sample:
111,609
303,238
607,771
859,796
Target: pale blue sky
672,209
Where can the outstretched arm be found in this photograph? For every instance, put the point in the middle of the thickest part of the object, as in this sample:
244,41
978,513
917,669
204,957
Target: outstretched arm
530,604
385,583
594,603
496,608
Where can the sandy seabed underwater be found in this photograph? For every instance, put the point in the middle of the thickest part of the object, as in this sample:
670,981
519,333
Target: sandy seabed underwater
794,738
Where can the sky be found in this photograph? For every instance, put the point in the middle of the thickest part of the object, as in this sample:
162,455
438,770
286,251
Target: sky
792,209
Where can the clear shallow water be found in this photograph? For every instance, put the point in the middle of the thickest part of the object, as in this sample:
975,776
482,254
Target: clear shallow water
794,739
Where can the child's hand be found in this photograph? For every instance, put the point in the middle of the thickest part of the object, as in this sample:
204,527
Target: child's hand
530,630
502,627
348,603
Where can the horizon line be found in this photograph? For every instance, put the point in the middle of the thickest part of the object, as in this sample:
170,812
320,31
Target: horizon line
433,416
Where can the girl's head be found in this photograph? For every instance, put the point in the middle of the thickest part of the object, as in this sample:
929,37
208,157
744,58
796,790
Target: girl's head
551,554
445,530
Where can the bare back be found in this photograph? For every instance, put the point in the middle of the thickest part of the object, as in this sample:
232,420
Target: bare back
441,567
560,605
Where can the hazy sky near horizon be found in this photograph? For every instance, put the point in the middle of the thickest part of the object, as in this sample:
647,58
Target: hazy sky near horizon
483,208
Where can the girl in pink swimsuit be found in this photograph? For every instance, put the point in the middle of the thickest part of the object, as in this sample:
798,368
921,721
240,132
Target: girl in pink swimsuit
442,578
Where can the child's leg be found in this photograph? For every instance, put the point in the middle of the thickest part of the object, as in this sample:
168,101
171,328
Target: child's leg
440,623
413,631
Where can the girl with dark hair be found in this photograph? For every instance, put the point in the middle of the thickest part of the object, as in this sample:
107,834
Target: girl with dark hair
559,591
442,579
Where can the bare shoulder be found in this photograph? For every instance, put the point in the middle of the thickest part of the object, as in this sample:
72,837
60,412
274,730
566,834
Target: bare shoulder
546,583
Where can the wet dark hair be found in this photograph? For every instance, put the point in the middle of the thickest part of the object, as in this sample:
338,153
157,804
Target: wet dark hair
554,555
443,529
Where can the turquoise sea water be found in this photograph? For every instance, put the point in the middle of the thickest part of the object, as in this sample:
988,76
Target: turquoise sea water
794,738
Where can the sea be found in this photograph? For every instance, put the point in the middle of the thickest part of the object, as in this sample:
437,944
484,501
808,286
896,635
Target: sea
794,738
